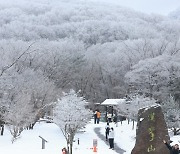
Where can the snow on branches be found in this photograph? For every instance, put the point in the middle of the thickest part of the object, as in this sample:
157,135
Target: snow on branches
70,114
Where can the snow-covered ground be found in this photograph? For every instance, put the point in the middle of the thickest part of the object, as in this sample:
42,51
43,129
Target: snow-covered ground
30,142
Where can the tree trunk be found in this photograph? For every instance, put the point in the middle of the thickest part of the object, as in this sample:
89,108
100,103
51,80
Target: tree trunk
2,130
133,125
128,121
71,144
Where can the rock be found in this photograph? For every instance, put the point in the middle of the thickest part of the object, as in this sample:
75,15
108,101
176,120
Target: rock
151,131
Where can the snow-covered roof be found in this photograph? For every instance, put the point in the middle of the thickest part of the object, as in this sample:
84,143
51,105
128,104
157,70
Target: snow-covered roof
113,101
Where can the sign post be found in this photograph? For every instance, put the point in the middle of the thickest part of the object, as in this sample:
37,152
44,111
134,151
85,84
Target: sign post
43,142
94,145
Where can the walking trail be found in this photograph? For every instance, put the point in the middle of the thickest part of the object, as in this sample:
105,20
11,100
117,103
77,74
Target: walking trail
102,137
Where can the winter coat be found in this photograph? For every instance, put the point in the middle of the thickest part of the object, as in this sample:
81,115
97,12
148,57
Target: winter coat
107,129
98,114
172,150
111,134
109,115
95,114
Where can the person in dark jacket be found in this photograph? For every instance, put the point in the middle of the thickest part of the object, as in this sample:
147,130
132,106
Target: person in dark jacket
95,117
107,128
173,149
111,138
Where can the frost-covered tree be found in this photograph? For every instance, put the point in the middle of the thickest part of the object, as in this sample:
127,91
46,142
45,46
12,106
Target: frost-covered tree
171,111
130,107
23,90
71,115
153,75
61,61
25,95
68,36
175,89
11,52
18,115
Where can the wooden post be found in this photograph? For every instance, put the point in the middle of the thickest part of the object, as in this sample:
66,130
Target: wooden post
43,142
78,141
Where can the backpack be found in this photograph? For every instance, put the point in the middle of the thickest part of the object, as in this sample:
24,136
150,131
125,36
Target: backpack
107,129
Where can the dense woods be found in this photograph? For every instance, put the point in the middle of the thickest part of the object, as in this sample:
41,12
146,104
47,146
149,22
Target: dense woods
102,51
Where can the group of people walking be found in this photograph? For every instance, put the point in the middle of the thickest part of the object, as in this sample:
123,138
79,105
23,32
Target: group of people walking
109,130
109,133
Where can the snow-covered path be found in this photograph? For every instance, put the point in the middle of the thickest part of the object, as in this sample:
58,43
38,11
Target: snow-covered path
102,137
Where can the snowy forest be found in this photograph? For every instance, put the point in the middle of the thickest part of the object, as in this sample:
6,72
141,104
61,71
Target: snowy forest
100,51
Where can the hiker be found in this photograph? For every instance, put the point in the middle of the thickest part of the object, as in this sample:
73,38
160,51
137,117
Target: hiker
173,149
95,117
107,128
115,119
98,113
111,138
109,117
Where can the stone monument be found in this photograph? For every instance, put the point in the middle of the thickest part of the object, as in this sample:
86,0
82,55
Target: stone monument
151,131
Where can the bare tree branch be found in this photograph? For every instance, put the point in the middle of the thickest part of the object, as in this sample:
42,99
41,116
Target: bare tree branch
16,60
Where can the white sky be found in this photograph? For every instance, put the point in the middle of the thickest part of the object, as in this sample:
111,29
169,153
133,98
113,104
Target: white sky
163,7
